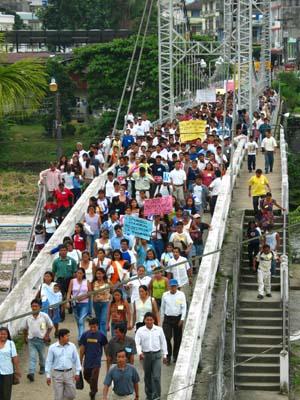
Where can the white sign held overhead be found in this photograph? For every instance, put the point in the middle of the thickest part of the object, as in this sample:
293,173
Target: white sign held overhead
206,95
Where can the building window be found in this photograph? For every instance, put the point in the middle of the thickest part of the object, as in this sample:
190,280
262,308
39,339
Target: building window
195,13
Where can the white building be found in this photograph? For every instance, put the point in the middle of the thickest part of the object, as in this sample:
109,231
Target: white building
30,20
7,22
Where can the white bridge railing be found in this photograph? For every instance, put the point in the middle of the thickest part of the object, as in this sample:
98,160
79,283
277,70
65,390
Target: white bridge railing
18,301
189,355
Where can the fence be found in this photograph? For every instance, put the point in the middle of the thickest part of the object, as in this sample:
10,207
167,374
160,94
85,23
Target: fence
18,301
217,380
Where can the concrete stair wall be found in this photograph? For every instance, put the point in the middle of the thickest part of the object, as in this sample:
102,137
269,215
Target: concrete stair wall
258,328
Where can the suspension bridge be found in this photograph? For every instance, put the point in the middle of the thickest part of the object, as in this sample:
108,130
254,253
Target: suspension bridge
180,77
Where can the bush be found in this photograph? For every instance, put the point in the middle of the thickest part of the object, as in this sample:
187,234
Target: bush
68,130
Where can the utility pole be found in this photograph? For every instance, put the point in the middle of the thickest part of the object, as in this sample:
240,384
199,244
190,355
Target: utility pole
53,86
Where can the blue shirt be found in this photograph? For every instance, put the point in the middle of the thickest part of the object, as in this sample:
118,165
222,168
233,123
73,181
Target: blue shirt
142,253
6,354
123,379
62,357
115,242
127,141
93,343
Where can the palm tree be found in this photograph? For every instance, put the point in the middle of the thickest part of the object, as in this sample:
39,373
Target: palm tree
23,85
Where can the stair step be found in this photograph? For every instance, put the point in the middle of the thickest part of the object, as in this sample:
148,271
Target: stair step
259,330
260,304
250,358
253,286
256,312
258,367
247,278
268,340
246,270
255,377
258,321
266,386
258,348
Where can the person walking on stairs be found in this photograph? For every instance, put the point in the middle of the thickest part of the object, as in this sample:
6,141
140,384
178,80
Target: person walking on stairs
258,185
264,259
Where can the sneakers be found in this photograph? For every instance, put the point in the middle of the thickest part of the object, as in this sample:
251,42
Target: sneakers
30,377
268,295
260,297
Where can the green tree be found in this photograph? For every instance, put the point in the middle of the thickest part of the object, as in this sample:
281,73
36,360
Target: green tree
104,66
22,87
91,14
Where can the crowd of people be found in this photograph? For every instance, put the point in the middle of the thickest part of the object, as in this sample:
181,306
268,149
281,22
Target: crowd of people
118,282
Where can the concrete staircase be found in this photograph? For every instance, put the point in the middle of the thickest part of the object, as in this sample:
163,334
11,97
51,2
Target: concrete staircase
258,329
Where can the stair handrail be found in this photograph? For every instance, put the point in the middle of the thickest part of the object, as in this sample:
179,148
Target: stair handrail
36,219
284,270
235,289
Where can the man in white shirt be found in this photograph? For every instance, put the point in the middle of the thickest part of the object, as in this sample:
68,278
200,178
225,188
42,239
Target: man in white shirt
215,188
181,239
151,344
173,311
251,148
179,269
139,128
178,182
37,330
268,146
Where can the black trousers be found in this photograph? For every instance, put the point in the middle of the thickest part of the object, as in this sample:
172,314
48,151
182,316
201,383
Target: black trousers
251,162
253,249
212,204
255,200
172,330
6,382
91,376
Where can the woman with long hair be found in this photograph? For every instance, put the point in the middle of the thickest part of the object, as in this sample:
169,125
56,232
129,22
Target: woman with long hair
141,306
9,364
93,220
118,312
208,174
79,286
103,242
102,298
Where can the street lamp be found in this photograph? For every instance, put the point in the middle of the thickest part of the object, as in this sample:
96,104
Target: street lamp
53,87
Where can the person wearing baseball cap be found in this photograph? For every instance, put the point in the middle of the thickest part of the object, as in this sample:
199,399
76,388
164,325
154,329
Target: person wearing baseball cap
173,311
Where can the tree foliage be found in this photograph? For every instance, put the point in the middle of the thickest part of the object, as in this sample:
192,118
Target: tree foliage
22,87
105,66
90,14
289,85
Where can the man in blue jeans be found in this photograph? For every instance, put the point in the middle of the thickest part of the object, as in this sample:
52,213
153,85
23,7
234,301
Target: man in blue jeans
91,344
37,330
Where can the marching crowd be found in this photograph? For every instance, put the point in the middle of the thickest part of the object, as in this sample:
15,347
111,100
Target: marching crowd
118,282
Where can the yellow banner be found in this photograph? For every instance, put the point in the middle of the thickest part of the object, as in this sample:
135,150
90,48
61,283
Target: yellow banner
191,130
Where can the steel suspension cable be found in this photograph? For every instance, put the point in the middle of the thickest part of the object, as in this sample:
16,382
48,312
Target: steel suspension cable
139,59
130,66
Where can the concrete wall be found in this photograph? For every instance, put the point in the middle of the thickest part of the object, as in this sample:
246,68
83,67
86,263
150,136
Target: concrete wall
18,301
189,355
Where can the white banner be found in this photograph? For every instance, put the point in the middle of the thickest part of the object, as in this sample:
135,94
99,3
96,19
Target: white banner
206,95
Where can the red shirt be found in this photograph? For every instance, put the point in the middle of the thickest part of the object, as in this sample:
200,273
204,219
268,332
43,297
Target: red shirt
50,208
79,242
63,198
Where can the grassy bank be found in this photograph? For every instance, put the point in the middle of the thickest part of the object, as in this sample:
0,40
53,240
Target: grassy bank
18,192
27,144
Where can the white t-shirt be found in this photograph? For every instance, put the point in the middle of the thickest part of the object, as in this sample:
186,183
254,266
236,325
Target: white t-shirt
269,144
178,176
215,186
180,271
68,178
251,147
135,284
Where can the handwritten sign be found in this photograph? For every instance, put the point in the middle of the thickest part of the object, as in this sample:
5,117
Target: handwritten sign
138,227
206,95
159,205
191,130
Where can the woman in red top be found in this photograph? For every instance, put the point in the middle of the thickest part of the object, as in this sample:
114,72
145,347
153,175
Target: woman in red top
208,174
64,199
79,237
118,312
